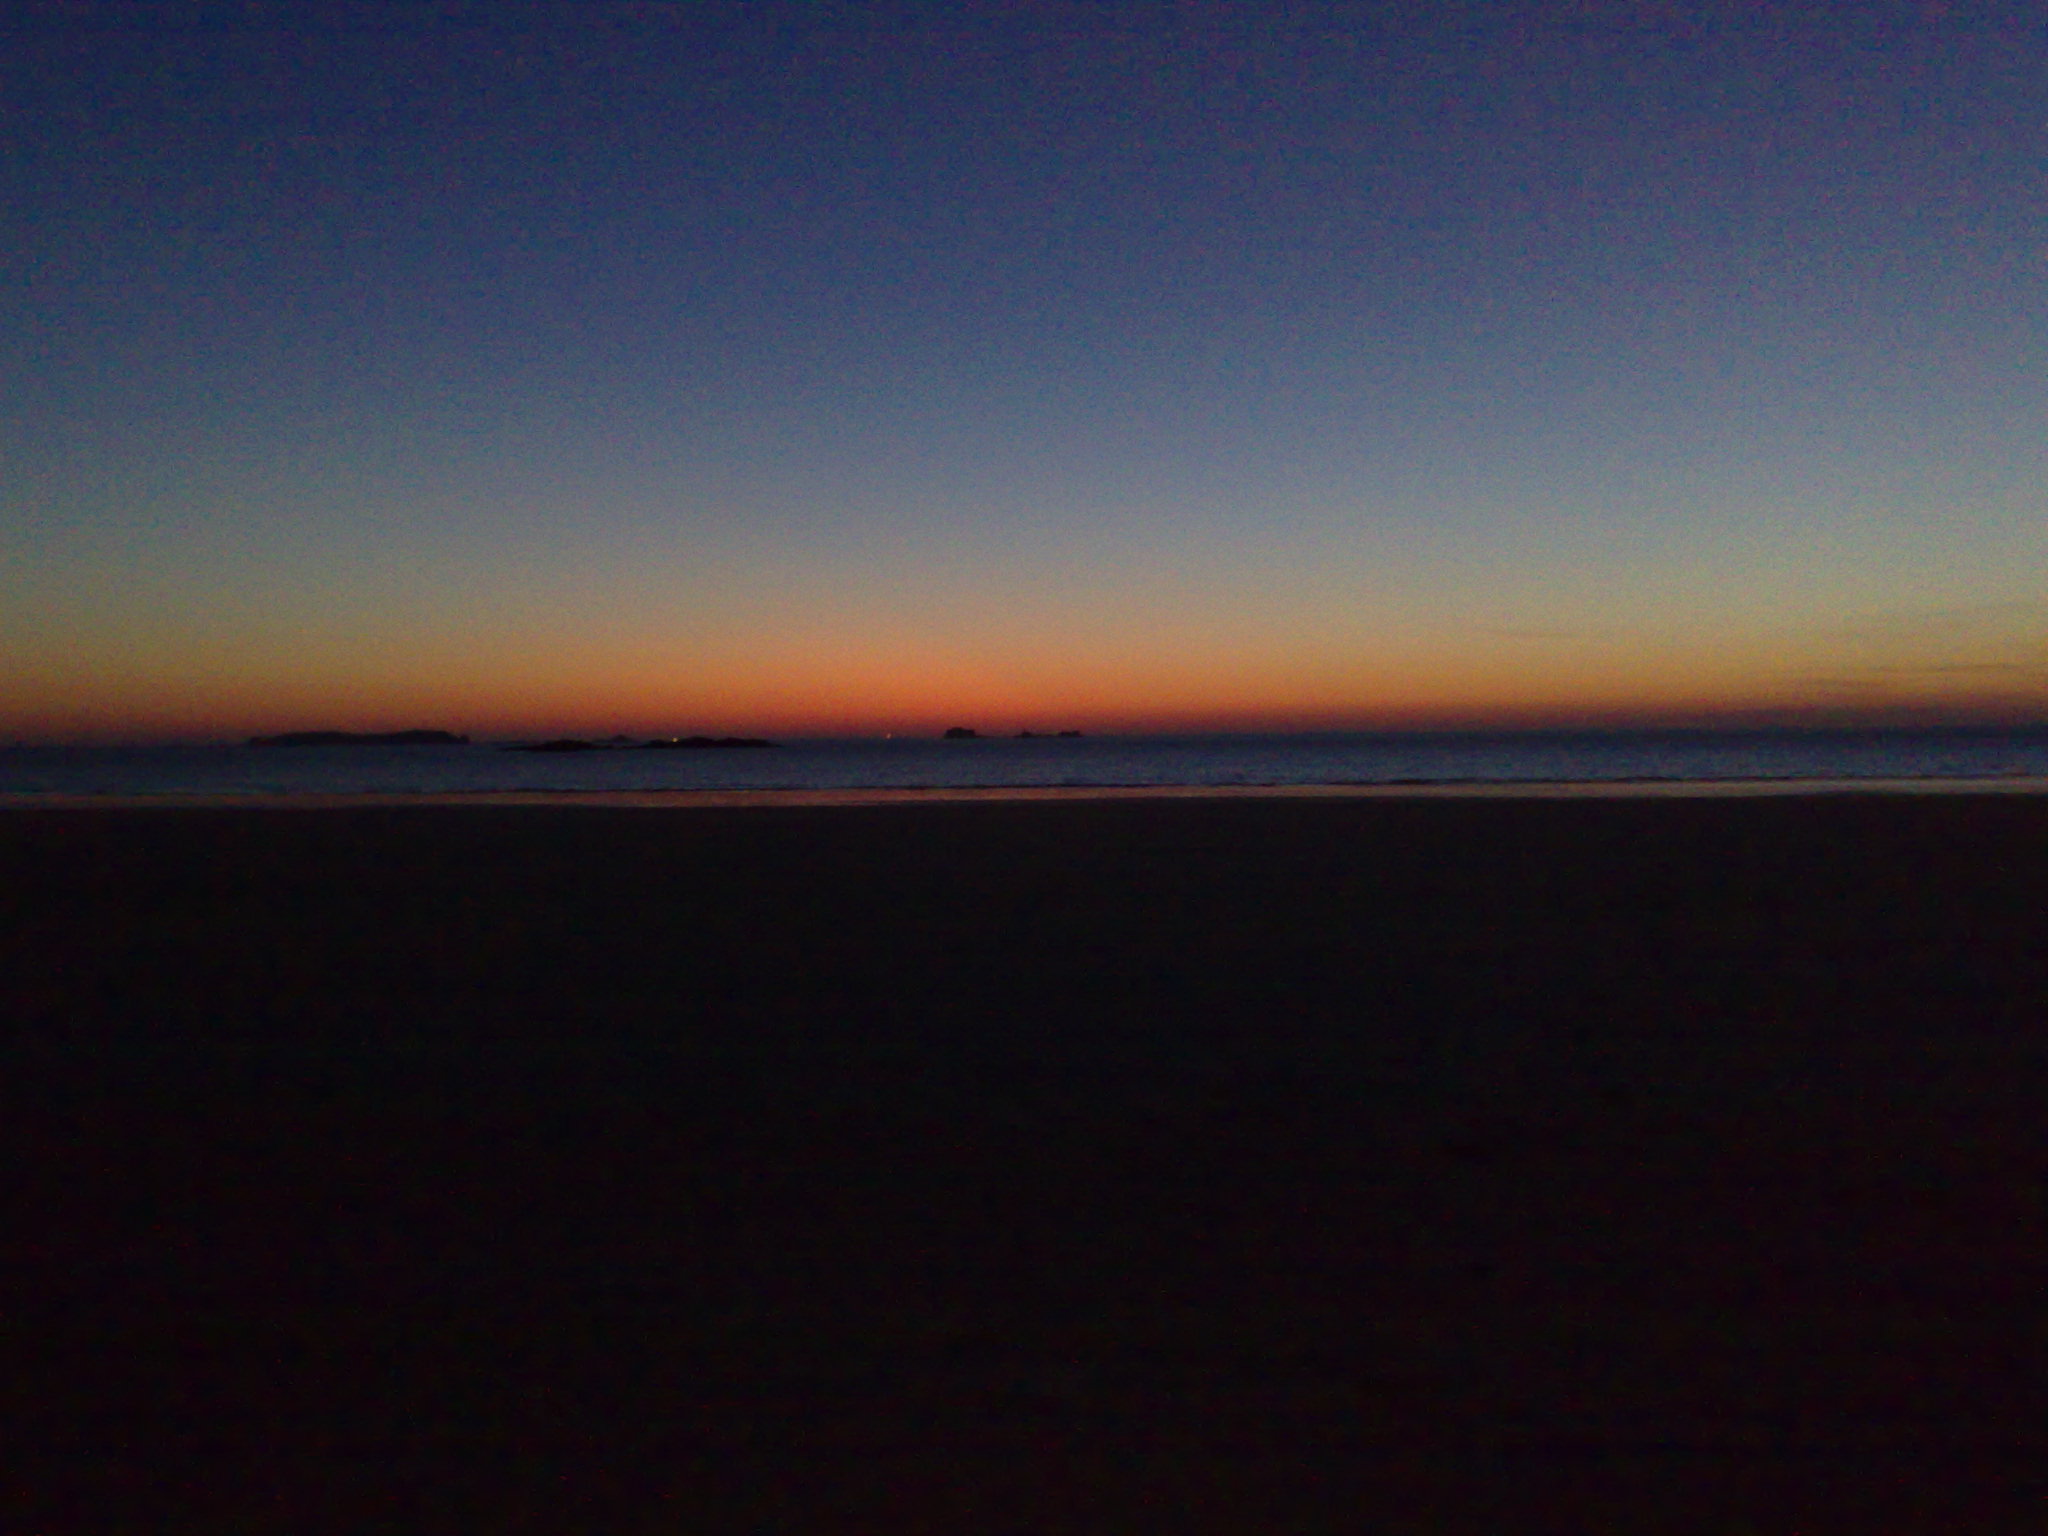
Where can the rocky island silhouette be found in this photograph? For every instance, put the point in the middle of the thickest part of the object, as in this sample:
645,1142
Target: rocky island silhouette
361,739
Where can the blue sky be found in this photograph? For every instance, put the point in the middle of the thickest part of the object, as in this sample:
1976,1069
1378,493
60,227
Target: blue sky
870,367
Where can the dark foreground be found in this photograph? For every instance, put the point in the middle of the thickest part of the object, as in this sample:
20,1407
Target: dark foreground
1257,1166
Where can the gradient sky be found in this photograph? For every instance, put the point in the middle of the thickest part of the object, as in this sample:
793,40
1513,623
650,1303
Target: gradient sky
876,367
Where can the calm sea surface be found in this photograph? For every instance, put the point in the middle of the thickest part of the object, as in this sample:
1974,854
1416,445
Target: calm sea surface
1095,761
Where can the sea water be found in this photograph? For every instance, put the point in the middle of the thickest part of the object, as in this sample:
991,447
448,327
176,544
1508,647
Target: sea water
1354,758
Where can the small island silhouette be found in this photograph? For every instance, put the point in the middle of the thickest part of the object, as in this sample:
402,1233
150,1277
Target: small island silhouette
361,739
627,744
968,733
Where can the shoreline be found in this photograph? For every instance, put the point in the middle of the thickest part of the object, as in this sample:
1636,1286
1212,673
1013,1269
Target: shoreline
690,799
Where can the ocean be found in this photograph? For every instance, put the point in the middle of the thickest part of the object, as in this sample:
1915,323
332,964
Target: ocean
1136,762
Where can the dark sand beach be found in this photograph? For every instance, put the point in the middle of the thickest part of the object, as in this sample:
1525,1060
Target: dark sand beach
1241,1165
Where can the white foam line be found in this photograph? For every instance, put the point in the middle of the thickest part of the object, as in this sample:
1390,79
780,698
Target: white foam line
685,799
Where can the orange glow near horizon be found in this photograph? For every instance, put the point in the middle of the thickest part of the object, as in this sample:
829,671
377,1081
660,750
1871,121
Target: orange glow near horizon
890,692
1343,629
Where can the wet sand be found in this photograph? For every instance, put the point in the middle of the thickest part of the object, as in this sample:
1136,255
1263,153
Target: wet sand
1240,1163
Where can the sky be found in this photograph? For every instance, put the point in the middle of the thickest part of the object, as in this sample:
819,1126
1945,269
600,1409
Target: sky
833,368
